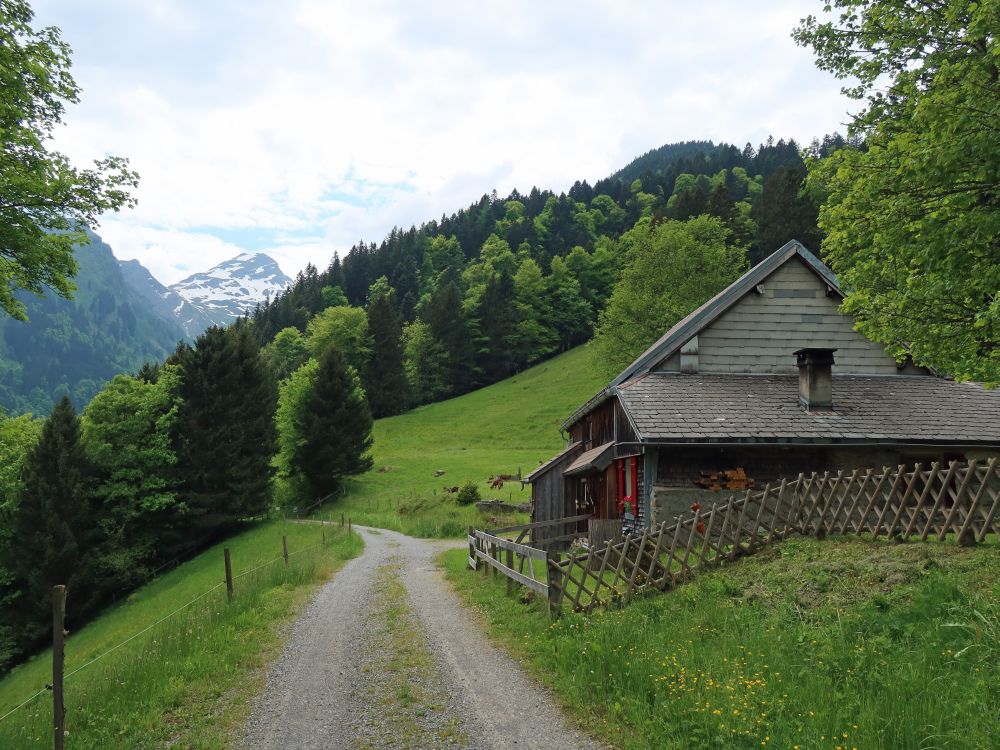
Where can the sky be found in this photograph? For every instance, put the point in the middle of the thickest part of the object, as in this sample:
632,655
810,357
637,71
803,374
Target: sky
300,127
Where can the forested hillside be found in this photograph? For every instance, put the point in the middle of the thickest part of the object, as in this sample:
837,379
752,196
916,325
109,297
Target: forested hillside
73,347
473,297
278,410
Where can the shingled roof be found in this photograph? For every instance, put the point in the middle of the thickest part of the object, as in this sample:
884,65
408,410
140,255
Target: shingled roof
596,458
724,408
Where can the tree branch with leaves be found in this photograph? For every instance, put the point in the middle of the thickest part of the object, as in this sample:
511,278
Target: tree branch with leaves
912,224
45,202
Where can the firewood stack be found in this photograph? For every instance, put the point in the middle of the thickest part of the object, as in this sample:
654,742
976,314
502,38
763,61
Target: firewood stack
727,479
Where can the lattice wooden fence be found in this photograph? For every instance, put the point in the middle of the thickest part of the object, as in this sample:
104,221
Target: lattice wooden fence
960,500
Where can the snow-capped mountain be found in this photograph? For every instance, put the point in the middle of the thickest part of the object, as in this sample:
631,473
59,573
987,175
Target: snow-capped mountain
233,288
161,301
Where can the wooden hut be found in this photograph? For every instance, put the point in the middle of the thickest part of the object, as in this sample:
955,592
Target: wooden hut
766,380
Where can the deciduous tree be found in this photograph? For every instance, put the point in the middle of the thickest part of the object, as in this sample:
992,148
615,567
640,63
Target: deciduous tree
671,268
425,359
913,223
343,327
128,431
45,202
287,352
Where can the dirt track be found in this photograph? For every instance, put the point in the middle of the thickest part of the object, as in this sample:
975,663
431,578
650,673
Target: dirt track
386,656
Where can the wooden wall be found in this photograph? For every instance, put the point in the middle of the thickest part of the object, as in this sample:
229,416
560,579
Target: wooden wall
596,427
548,491
761,331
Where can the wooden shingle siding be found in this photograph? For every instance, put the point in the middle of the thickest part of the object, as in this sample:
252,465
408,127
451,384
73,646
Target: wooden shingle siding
671,364
761,331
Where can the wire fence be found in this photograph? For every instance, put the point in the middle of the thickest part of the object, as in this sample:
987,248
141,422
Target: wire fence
170,644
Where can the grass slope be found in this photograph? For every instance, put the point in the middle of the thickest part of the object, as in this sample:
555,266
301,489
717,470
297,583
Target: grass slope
188,681
836,644
496,430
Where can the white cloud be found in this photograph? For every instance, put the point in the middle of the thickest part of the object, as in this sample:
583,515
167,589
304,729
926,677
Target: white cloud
170,255
299,128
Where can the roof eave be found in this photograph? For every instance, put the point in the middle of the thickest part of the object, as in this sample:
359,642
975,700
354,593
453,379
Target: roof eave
791,441
599,398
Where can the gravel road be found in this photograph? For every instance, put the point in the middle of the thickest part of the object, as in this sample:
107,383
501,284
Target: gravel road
387,657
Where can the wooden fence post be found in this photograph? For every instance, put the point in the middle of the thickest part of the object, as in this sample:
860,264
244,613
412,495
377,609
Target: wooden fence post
510,564
472,547
553,577
284,548
229,574
58,661
349,529
341,519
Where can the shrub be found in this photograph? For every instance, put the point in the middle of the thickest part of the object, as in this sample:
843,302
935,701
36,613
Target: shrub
469,494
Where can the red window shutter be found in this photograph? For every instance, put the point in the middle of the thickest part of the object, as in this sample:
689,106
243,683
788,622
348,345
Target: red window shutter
635,482
621,486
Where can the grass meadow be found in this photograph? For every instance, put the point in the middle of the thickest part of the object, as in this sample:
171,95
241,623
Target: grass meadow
188,681
496,430
839,644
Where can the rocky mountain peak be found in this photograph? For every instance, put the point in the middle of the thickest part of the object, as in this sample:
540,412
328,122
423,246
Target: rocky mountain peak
233,287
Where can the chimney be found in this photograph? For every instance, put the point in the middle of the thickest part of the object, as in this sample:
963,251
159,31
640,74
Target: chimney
815,378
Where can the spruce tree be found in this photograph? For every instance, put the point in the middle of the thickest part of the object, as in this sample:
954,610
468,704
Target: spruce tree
443,313
226,428
498,328
53,525
784,212
386,377
335,424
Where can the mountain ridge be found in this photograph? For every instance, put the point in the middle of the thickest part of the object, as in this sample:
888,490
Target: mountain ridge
163,301
217,296
74,347
234,287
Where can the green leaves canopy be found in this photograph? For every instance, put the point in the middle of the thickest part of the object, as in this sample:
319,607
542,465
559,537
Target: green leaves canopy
671,268
44,201
128,432
913,224
343,327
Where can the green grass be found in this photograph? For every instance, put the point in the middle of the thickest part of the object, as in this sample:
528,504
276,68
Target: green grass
189,680
809,644
496,430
